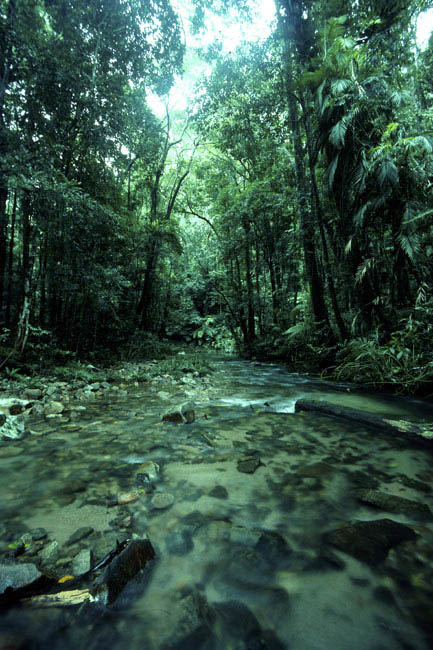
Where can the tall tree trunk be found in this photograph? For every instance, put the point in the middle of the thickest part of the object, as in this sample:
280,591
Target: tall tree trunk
11,263
6,54
302,186
319,219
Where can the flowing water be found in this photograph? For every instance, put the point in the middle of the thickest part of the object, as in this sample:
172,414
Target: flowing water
243,561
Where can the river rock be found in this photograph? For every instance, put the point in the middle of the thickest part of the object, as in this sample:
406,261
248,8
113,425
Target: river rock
370,541
219,492
54,408
149,470
248,465
12,427
240,624
82,562
191,618
17,575
79,534
179,542
50,553
184,414
274,549
33,394
162,500
396,504
127,497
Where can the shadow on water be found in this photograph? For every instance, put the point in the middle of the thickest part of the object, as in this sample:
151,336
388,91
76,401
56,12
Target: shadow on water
241,507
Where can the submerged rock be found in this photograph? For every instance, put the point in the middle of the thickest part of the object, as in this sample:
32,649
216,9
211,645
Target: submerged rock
184,414
79,534
54,408
239,623
396,504
248,465
219,492
162,500
370,541
191,620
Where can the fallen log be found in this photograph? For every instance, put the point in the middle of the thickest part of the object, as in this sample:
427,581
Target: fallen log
415,431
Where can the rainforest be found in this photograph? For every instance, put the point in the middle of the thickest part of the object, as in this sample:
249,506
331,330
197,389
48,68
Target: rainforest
216,324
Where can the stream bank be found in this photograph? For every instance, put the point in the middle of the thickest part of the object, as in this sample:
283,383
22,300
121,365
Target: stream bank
271,529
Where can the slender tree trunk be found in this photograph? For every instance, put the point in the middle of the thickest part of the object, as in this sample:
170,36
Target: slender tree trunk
11,263
319,219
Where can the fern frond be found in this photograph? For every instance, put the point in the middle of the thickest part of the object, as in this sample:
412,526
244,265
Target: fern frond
339,86
388,173
362,269
410,245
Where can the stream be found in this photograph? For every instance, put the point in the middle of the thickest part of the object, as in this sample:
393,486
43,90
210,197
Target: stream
241,507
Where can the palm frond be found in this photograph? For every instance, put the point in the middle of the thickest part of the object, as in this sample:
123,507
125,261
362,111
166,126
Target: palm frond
332,168
387,173
338,133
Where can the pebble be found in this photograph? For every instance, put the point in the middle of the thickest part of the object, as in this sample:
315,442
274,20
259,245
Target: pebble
162,500
54,408
127,497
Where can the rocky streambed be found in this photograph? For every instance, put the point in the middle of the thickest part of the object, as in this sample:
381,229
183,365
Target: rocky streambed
271,529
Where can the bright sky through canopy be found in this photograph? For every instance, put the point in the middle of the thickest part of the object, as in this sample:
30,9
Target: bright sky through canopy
230,34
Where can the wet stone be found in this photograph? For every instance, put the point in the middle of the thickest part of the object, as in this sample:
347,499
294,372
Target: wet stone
179,543
79,534
396,504
162,500
50,553
82,562
17,575
38,534
370,541
73,486
219,492
274,549
33,393
248,465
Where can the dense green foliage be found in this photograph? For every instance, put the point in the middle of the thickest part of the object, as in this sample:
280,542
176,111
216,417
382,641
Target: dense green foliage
288,213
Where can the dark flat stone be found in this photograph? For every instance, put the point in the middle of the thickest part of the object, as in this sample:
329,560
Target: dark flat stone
395,504
370,541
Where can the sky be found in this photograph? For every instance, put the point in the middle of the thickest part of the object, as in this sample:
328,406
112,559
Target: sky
231,33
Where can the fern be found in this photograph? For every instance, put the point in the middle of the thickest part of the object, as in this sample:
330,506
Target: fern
339,86
410,244
388,173
363,268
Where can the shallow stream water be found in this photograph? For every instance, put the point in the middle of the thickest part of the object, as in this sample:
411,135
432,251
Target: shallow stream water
242,559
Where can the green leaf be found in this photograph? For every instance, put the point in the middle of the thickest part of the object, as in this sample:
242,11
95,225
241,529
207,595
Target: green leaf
338,133
388,173
331,170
